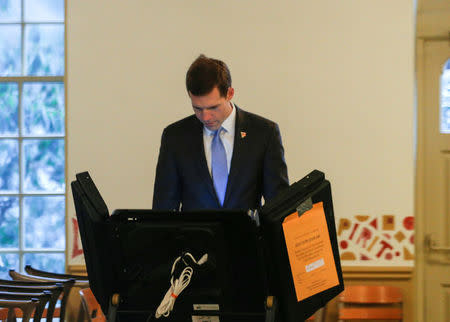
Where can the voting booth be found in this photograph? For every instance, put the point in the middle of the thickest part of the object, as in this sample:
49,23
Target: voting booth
299,233
278,263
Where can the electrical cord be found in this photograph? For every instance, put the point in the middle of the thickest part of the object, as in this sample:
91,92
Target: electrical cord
178,285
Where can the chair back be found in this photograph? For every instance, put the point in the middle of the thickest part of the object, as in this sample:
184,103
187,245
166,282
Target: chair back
54,291
43,298
91,306
36,272
371,294
68,284
26,306
71,310
370,302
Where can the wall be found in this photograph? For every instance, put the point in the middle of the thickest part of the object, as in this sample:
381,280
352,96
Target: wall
336,75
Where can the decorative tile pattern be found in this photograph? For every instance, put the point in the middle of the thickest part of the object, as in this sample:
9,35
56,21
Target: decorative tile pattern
376,240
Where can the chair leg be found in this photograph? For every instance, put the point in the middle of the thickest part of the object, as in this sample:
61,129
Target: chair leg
320,315
340,306
11,315
27,315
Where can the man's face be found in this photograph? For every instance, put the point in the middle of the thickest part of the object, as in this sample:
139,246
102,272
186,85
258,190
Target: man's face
212,109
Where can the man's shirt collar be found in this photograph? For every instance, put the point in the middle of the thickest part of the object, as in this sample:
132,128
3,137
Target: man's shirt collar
228,124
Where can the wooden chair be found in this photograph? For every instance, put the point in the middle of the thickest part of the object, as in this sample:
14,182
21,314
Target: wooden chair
74,307
9,313
54,290
91,306
3,313
369,302
36,272
68,285
42,299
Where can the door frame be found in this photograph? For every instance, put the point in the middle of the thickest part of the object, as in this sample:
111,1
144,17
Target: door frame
431,26
419,226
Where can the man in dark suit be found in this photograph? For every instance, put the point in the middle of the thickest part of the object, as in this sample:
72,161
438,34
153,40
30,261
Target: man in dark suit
221,157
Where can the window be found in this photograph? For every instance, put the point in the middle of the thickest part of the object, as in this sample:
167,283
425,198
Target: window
32,135
445,98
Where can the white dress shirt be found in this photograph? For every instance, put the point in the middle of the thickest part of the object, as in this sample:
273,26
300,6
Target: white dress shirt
227,137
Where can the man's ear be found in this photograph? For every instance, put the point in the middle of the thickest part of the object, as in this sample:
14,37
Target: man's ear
230,93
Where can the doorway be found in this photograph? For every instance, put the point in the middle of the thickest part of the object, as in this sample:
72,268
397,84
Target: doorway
433,180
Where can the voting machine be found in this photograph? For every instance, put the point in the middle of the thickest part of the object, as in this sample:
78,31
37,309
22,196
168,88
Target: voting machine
278,263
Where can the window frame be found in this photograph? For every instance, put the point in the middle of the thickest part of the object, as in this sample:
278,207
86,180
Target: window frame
21,250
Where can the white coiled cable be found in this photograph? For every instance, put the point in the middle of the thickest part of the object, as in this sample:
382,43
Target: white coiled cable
177,285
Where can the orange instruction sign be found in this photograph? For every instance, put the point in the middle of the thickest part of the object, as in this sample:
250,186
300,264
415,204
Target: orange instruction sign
309,250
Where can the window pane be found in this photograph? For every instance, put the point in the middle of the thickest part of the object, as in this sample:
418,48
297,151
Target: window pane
7,262
46,262
43,109
44,222
9,166
10,11
9,222
445,98
10,53
44,50
9,100
43,168
44,10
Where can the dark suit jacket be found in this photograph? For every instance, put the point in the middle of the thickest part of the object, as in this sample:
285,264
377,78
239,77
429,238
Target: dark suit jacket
257,168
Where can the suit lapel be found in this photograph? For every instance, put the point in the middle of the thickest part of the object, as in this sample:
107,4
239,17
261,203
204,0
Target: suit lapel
199,153
239,147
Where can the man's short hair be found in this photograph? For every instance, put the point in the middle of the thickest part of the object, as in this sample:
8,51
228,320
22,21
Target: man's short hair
206,73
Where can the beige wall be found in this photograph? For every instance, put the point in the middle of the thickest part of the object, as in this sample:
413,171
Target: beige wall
336,75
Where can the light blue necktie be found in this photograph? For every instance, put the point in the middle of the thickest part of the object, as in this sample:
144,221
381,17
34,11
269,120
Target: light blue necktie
219,166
